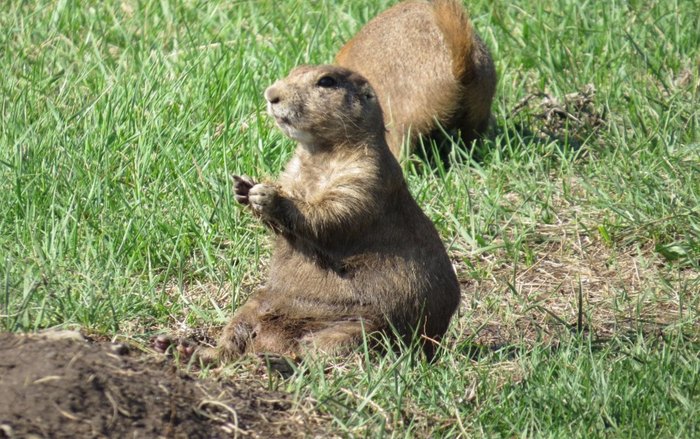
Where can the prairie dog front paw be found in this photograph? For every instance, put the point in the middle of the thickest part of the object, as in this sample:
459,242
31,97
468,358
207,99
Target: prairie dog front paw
262,198
241,187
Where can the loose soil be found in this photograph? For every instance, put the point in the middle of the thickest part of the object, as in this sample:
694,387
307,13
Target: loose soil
61,386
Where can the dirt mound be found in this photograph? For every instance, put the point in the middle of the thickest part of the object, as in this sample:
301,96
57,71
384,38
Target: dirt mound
61,387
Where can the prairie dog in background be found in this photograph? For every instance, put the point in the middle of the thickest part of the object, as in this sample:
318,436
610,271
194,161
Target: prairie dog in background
428,66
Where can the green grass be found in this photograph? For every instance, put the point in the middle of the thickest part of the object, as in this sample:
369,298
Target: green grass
121,122
627,387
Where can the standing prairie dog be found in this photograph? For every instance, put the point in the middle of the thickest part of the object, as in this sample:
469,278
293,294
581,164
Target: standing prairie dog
353,252
428,66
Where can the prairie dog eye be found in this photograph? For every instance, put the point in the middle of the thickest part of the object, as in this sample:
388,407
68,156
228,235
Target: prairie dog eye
327,81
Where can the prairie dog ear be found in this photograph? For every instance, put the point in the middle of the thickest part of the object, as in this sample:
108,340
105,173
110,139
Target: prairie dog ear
367,92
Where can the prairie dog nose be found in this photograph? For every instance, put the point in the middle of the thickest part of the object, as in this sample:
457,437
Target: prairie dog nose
272,94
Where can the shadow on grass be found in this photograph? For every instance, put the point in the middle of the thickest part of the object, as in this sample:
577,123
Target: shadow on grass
535,122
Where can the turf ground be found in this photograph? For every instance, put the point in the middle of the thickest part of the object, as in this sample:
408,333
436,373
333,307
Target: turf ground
575,227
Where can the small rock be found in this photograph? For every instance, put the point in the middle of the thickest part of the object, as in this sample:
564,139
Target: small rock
6,432
120,348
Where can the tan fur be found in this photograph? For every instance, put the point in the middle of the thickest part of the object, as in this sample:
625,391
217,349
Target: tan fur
353,251
428,66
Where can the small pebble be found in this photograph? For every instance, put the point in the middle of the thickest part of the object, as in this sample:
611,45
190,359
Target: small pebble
120,348
161,343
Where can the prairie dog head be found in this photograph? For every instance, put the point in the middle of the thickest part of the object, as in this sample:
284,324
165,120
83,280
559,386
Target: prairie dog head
322,106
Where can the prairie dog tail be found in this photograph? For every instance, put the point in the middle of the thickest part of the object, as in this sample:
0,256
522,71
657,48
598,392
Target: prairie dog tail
453,21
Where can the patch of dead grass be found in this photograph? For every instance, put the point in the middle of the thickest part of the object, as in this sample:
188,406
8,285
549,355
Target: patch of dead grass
574,280
574,115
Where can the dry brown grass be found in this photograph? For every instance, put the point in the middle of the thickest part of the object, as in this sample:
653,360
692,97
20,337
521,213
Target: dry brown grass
573,280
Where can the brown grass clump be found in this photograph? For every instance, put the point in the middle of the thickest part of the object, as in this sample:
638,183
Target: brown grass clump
569,280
